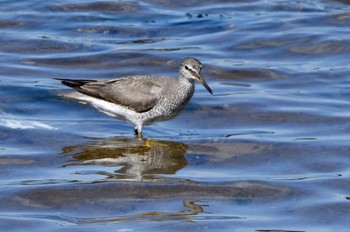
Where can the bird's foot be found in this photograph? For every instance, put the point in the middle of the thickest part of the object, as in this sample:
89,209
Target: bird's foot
139,135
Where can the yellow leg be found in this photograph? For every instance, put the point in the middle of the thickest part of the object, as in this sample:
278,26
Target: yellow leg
138,132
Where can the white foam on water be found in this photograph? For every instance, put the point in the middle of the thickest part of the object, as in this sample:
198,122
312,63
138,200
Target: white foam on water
24,124
10,121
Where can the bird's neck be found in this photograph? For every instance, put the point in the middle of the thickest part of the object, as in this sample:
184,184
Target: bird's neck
186,87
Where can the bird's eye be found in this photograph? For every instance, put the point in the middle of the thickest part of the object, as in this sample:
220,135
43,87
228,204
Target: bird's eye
186,67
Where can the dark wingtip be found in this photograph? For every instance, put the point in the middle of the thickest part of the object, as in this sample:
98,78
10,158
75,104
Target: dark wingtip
73,83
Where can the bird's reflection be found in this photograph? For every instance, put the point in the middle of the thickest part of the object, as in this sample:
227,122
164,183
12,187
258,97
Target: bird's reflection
137,160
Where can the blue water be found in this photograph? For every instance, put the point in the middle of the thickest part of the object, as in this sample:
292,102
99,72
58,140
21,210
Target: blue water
268,151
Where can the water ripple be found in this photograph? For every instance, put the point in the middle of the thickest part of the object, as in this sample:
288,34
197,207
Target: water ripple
268,151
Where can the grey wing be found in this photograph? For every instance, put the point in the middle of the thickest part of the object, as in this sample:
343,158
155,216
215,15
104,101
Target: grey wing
138,94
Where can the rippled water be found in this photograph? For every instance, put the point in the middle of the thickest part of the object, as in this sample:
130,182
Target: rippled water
269,151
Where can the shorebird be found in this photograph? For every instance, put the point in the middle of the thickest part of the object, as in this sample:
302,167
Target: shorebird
140,99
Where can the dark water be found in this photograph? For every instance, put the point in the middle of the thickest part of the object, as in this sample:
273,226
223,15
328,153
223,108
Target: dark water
269,151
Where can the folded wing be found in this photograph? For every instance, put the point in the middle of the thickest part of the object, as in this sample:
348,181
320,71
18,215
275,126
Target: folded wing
135,93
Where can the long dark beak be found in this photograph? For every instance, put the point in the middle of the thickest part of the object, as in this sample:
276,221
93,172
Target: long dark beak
202,81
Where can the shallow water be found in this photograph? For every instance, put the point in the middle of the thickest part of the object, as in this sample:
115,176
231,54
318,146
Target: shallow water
268,151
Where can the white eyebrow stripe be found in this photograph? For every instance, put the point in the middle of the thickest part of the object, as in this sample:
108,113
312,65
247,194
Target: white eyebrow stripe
192,69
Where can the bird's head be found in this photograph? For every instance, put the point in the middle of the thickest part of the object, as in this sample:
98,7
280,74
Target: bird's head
191,68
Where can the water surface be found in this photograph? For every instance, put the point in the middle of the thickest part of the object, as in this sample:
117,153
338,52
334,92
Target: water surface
268,151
